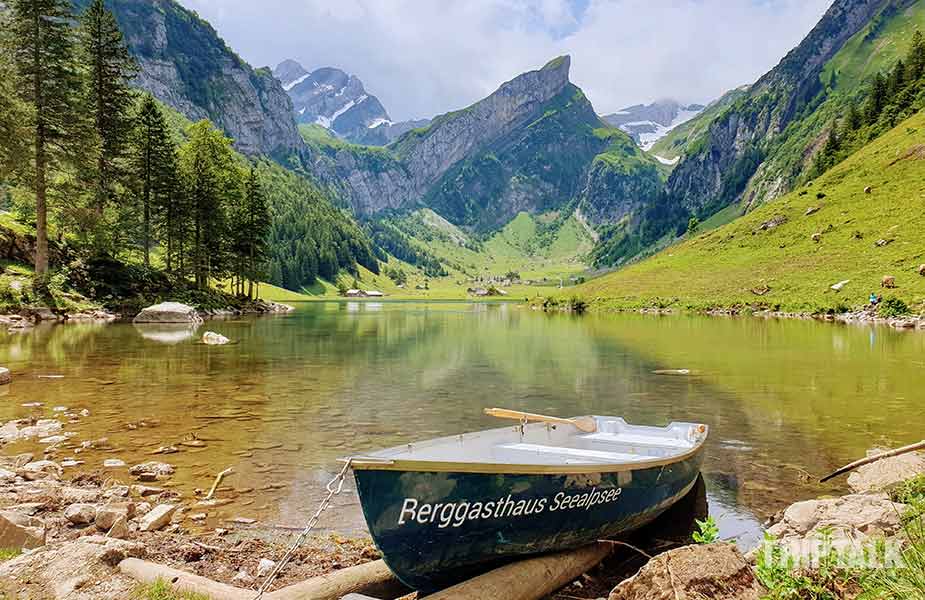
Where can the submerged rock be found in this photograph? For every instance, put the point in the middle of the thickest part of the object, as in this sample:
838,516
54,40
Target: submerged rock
20,430
5,376
716,571
152,466
168,312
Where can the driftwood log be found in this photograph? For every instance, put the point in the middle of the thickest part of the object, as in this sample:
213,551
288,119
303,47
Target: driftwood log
870,459
529,579
181,581
362,578
367,577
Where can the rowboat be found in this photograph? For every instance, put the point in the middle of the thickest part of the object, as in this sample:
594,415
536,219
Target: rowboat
445,509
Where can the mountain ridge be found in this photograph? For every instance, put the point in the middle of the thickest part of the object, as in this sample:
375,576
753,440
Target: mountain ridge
736,142
528,146
186,64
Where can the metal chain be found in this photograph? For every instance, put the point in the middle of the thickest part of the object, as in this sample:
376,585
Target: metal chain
334,487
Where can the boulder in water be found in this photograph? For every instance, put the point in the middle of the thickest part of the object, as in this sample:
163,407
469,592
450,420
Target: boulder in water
210,338
168,312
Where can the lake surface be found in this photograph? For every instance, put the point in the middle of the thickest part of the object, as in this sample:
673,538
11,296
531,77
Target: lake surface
788,401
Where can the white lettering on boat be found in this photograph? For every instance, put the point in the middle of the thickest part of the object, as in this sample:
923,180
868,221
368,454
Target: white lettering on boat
455,514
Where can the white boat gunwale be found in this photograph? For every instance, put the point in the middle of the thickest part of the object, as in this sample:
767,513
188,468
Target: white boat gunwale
381,461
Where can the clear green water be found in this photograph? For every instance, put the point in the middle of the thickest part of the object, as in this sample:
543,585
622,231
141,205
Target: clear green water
788,401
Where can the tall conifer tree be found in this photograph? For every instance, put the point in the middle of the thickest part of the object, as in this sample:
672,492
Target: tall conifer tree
42,51
109,69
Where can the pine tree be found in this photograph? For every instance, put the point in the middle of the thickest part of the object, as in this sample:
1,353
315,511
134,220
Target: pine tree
155,171
853,119
42,52
876,99
109,99
13,112
213,184
916,60
257,227
897,81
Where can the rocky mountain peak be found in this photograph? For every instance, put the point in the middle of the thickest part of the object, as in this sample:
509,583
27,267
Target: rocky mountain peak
288,71
453,136
332,98
647,123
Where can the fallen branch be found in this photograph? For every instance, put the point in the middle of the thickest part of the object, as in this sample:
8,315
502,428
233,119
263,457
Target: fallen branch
218,480
630,546
874,458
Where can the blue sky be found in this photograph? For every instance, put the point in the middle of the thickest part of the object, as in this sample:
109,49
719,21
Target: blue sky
425,57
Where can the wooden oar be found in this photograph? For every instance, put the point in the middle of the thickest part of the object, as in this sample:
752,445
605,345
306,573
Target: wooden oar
874,458
586,424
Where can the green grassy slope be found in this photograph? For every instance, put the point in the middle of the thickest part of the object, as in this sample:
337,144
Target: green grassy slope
877,47
720,268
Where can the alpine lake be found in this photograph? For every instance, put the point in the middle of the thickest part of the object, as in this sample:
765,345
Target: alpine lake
787,400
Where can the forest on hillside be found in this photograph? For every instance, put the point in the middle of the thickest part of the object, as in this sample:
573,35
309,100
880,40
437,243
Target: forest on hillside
115,177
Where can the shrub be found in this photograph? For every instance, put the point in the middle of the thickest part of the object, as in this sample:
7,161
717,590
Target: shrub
893,307
707,531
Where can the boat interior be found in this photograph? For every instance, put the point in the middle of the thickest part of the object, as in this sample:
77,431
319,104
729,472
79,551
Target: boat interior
615,442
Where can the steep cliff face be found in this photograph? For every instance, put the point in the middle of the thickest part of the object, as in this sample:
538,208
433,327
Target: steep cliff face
185,64
620,182
720,164
431,151
537,167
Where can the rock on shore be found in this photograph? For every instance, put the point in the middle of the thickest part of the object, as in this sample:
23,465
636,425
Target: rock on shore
168,312
887,473
851,518
717,571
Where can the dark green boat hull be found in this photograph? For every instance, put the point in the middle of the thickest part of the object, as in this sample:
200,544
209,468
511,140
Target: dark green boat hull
437,528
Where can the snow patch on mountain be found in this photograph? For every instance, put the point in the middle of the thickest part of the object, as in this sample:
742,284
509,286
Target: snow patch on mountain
667,161
295,82
648,123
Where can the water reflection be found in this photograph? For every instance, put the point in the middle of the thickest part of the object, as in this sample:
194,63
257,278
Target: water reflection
787,401
166,333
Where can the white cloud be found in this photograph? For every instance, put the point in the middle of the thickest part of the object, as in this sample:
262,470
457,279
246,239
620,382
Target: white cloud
423,57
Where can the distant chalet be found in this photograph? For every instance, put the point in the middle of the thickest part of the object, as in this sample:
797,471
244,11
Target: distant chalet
364,294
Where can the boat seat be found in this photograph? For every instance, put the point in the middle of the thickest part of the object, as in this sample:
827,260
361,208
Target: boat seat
600,456
630,439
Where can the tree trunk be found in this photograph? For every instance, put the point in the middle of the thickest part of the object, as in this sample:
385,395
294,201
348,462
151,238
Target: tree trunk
250,275
147,205
41,209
